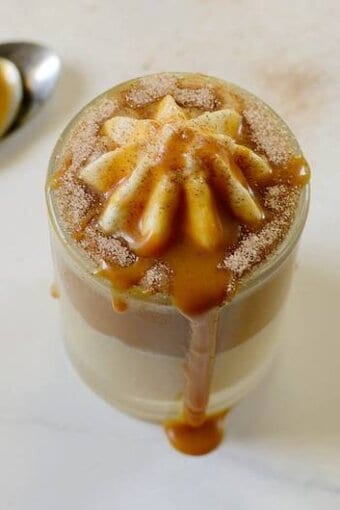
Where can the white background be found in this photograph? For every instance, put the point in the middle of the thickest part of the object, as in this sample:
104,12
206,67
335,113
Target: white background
61,447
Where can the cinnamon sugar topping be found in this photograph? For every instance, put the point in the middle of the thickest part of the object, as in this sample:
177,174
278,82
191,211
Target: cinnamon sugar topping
151,88
157,279
107,248
268,133
200,98
84,140
255,247
74,201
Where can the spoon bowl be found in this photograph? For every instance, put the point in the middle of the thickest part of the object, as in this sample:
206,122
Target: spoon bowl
39,68
11,94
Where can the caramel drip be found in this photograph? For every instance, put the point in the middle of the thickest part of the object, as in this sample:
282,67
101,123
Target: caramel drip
197,284
123,278
198,281
54,290
199,367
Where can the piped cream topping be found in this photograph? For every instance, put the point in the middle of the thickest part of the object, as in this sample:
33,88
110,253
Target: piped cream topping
157,160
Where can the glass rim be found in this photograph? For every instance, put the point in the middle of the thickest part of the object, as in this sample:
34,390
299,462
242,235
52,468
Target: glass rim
247,284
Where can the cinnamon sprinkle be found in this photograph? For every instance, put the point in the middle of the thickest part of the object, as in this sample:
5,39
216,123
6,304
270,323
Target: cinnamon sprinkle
151,88
74,200
157,279
255,247
268,133
83,139
110,249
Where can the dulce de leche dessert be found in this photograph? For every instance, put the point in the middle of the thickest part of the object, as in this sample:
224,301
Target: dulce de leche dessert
176,202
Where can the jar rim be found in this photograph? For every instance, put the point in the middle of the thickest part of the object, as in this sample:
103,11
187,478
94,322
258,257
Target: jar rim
248,283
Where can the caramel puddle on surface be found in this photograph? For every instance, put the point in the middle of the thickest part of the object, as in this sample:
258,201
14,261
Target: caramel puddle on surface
54,290
199,440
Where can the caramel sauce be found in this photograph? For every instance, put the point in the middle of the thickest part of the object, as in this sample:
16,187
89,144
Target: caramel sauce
199,366
197,284
198,440
190,292
54,290
123,278
297,171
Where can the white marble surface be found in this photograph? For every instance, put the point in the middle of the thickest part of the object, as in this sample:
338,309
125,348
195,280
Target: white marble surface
60,446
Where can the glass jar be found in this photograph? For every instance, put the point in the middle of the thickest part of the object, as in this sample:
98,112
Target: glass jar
134,360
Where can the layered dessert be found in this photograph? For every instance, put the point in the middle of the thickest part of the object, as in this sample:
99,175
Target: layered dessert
176,202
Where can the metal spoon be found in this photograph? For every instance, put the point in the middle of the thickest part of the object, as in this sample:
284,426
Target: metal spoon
39,69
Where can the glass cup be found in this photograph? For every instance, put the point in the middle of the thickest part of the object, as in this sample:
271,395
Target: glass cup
134,359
